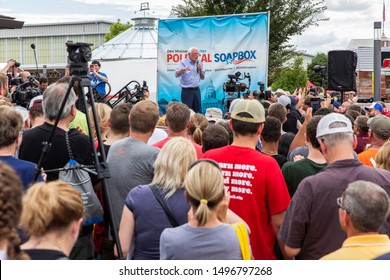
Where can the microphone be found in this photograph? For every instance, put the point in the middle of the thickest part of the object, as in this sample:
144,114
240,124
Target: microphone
35,56
197,63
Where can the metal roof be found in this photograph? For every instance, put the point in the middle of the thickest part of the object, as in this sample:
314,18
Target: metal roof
10,23
138,42
354,44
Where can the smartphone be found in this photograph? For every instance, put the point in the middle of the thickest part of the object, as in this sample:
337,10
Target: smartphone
315,103
91,67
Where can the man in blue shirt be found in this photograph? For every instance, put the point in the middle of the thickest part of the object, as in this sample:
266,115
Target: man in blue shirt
11,124
190,71
98,79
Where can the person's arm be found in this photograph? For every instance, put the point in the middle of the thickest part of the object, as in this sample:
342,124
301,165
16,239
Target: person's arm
291,252
200,70
301,99
101,77
181,70
277,221
126,231
10,63
299,139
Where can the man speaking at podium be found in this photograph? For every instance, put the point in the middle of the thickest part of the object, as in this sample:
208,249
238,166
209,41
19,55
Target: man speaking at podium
191,71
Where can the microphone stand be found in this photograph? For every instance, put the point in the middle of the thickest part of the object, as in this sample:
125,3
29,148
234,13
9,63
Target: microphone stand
36,60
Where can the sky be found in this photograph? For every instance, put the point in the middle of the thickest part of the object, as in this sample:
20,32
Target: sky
348,19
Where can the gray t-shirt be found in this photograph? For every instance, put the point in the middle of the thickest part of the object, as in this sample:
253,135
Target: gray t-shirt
189,243
130,162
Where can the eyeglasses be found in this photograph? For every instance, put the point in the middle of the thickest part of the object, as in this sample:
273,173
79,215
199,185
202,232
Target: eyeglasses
340,205
195,54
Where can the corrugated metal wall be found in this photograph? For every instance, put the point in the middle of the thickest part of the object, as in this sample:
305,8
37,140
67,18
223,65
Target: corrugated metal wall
49,40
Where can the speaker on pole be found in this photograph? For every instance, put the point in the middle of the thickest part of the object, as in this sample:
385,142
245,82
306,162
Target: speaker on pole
341,70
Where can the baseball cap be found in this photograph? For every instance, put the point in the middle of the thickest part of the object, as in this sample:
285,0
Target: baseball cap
252,107
327,125
293,102
376,106
284,100
336,104
380,125
213,114
23,111
37,100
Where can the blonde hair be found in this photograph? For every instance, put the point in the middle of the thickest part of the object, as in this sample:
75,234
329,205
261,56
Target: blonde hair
171,165
205,188
50,207
198,123
11,192
103,112
382,158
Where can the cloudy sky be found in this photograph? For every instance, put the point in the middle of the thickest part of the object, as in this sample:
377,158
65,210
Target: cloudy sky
348,19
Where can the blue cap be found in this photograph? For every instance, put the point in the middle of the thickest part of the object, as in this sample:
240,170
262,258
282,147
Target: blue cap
376,106
336,104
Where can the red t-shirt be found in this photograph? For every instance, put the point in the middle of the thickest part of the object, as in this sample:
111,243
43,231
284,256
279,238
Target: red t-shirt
198,148
257,191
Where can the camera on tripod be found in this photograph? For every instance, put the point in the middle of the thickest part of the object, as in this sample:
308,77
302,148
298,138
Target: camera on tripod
233,86
261,94
26,91
79,54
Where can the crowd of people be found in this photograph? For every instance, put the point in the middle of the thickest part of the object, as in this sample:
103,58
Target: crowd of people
307,183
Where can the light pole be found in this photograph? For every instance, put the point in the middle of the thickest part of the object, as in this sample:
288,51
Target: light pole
377,60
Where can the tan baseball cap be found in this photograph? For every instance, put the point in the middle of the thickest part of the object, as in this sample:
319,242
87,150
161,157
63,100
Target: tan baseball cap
252,107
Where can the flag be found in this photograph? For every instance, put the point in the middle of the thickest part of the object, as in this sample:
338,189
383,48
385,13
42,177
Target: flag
384,11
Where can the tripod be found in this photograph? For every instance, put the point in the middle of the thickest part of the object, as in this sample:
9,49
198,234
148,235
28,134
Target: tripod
101,167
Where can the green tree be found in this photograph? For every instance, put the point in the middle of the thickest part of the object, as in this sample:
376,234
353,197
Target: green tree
116,29
287,19
321,59
288,78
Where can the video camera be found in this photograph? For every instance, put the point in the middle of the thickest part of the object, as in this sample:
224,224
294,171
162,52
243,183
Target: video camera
233,88
26,91
79,54
260,94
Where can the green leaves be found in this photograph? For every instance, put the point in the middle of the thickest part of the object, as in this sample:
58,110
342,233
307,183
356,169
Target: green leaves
116,29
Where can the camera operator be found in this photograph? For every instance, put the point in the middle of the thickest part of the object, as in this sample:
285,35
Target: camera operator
98,79
190,71
12,68
24,89
265,97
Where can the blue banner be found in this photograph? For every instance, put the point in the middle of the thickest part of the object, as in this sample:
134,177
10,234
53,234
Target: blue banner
228,45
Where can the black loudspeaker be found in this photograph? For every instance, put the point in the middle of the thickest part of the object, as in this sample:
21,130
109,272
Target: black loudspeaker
341,70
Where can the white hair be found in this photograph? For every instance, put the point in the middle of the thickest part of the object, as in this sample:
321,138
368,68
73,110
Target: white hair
191,49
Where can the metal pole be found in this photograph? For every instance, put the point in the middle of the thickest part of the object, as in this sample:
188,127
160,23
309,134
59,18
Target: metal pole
377,61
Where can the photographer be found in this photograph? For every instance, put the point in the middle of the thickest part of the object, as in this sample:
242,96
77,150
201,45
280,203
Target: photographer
98,79
190,71
24,89
12,68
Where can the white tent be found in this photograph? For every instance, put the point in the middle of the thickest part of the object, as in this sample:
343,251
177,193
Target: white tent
132,55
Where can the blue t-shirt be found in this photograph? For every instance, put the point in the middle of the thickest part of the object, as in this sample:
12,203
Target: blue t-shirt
24,169
151,219
100,88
